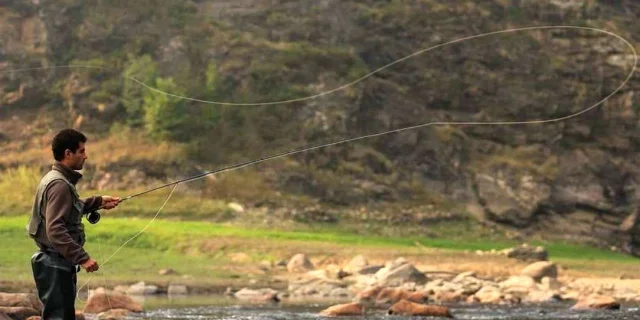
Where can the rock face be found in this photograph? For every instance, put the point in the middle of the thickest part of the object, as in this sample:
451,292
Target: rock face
566,180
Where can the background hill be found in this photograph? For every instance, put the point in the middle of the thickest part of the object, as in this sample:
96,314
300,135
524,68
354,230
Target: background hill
572,180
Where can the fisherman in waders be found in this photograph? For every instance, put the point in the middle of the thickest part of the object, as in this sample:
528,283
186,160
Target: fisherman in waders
56,227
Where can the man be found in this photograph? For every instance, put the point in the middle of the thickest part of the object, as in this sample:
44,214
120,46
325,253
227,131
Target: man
56,227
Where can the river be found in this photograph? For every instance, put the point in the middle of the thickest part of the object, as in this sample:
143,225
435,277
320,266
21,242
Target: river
219,308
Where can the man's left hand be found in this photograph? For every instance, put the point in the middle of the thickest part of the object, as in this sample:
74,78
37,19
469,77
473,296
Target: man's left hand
109,202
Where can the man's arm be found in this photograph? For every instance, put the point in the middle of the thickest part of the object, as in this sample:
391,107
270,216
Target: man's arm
59,204
92,203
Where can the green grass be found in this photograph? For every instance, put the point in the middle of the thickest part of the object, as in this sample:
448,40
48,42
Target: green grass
175,244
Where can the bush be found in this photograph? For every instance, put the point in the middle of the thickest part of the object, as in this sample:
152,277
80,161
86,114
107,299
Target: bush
166,117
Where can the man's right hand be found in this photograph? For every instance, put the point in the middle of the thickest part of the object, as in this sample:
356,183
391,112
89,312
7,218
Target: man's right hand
90,265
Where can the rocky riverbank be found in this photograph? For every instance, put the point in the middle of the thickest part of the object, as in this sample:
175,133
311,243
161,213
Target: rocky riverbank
397,286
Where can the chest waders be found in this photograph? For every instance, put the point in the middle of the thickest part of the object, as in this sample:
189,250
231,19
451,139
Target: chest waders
54,275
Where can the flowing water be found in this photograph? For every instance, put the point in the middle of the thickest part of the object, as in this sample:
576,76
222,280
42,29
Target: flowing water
220,308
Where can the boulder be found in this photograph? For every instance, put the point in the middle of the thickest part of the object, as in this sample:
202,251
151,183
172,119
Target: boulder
27,300
317,288
389,296
260,295
101,301
447,296
347,309
596,301
487,295
518,284
19,313
368,295
299,263
542,296
356,264
547,283
370,269
177,289
141,289
540,269
408,308
399,273
525,252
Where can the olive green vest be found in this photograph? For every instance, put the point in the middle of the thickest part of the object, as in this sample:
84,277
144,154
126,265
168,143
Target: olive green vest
35,222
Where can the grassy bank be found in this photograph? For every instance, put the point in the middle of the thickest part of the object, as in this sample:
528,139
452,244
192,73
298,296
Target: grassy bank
211,254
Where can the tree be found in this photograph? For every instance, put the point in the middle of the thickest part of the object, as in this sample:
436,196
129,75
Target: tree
166,117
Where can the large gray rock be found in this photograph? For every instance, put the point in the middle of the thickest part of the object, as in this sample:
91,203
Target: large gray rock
399,272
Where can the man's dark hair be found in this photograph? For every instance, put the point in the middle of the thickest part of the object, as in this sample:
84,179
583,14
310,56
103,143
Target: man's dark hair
66,139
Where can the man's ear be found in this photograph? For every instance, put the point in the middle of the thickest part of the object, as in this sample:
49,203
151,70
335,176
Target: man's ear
67,153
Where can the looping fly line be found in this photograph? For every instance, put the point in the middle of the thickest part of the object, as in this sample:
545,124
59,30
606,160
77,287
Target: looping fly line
352,83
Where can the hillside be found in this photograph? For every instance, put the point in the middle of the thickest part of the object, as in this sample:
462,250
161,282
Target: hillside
573,180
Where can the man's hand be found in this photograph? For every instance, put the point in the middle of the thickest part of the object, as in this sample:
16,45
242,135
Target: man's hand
109,202
90,265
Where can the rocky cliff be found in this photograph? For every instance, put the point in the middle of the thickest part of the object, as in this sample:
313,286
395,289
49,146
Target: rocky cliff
575,178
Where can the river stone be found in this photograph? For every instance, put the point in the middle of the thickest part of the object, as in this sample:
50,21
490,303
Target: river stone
20,300
395,274
101,301
299,263
19,313
259,295
356,264
408,308
177,289
347,309
141,289
596,301
527,253
540,269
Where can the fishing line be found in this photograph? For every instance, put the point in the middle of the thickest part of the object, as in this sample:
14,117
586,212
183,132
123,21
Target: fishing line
352,83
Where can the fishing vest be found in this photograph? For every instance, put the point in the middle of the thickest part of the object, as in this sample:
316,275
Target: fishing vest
73,220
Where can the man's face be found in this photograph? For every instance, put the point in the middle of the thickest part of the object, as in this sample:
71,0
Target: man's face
76,160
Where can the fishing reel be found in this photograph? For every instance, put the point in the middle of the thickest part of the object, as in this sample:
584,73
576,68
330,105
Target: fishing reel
93,217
